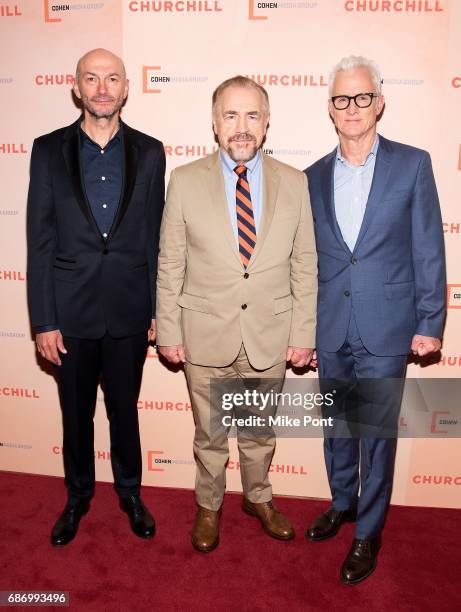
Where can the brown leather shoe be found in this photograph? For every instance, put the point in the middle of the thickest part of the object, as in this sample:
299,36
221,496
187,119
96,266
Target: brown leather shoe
274,522
205,533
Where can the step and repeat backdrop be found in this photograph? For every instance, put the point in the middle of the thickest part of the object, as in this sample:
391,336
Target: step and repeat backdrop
176,52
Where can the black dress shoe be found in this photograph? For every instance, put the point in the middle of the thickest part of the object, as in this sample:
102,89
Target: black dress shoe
327,524
66,527
141,520
361,561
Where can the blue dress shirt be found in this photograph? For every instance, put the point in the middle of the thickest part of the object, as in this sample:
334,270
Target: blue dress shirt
352,186
255,180
102,177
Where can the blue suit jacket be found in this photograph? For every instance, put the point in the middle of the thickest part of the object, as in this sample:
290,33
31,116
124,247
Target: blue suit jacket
395,277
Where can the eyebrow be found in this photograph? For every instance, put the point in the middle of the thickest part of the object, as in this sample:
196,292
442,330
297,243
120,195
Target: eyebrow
234,112
89,73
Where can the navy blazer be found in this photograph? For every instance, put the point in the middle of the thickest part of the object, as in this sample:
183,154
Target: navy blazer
84,284
395,277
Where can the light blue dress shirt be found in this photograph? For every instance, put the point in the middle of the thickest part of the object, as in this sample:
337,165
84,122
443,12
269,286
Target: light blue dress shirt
255,180
352,186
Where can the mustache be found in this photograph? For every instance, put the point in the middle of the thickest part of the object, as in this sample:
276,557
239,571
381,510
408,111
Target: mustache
243,137
102,99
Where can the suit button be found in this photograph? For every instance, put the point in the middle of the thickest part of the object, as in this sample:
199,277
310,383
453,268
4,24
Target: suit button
105,251
353,261
244,306
246,275
347,293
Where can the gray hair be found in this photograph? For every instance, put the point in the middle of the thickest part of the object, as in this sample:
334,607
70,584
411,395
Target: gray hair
239,81
351,63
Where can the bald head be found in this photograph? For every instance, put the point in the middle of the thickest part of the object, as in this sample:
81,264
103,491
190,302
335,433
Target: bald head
99,57
101,83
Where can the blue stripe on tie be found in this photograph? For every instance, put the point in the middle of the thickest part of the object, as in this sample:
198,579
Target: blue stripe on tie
245,208
244,251
246,223
247,238
242,189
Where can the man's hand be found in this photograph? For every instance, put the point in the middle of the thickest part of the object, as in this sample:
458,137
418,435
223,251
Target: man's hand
173,354
425,345
152,333
48,345
299,357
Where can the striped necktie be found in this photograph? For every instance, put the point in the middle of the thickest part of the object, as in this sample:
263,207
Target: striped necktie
245,219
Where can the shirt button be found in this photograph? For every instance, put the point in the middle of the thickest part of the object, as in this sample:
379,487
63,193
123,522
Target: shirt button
244,306
105,235
347,293
104,205
103,178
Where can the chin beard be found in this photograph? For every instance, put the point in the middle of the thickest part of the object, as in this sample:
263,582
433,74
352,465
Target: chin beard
108,114
243,156
97,115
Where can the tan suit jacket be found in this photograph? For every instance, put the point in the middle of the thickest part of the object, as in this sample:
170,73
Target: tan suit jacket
202,288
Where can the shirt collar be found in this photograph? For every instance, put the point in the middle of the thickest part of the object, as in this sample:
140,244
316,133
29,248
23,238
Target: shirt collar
372,153
230,164
117,137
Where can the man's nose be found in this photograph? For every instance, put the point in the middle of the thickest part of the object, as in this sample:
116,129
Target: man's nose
352,109
102,88
242,124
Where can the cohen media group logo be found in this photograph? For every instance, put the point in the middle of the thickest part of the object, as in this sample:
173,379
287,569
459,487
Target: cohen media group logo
395,6
454,296
55,12
442,421
158,462
155,79
261,11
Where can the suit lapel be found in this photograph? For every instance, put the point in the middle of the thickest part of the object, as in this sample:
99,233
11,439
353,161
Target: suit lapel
130,159
271,181
328,181
378,186
71,153
217,192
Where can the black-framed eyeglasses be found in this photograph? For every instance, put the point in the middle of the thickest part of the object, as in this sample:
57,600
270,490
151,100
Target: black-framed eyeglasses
362,100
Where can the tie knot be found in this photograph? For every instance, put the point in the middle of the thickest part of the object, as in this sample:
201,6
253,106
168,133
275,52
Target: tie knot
240,170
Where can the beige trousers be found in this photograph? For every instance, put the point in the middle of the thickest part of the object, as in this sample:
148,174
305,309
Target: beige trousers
211,447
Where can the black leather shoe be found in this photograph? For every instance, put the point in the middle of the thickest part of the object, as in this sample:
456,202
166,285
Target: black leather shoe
361,561
66,527
141,520
327,524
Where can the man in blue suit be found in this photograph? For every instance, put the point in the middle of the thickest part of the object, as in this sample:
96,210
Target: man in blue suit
381,293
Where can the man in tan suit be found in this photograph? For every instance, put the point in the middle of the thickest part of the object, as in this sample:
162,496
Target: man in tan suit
236,292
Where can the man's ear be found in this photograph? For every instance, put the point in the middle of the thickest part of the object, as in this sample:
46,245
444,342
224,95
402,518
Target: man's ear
76,90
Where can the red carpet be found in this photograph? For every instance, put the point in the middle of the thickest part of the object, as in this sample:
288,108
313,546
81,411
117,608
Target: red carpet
107,568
